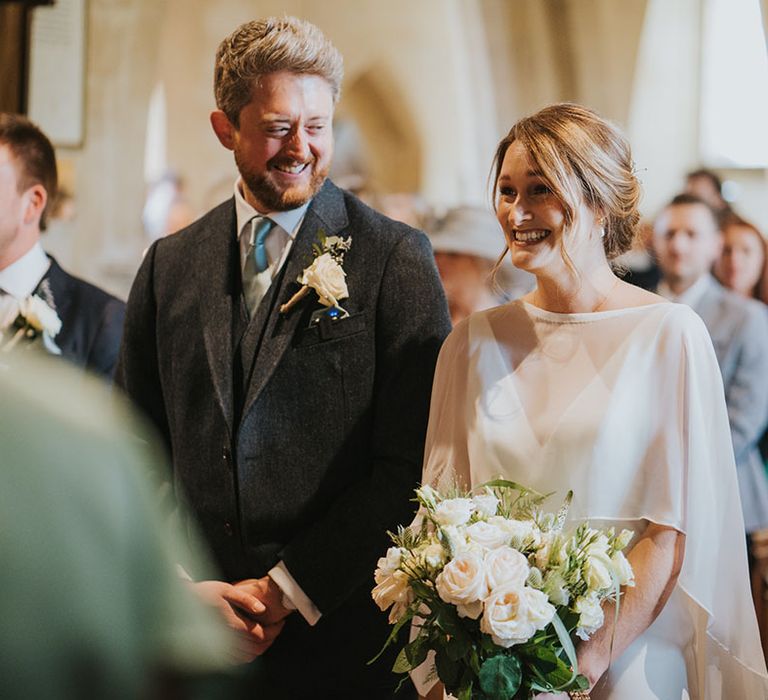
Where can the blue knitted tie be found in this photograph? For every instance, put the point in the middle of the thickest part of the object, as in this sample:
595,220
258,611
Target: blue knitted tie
261,230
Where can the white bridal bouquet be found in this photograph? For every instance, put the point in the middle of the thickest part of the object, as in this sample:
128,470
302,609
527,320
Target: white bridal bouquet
497,588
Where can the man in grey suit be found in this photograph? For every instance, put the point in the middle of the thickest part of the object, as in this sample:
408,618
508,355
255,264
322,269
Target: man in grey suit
687,241
295,421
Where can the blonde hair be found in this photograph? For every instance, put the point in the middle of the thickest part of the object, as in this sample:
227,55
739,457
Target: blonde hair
581,157
266,46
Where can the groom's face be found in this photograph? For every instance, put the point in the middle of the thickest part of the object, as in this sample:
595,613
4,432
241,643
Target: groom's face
284,142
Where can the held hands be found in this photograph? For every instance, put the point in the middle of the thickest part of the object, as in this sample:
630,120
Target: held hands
270,595
244,612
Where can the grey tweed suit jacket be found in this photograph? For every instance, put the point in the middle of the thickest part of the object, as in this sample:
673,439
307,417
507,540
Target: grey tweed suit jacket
292,441
739,331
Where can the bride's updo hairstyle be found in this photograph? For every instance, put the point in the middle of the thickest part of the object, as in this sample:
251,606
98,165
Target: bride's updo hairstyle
581,157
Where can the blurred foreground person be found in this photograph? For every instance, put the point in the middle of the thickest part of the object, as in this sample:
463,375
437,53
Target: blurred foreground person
91,602
742,262
467,249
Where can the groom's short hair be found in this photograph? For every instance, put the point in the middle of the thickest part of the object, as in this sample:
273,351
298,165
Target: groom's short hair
34,157
266,46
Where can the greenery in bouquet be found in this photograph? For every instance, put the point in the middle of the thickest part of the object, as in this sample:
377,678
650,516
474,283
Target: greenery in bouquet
498,589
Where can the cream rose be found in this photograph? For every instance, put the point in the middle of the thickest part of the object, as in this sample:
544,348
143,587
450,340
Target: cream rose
513,614
505,567
462,583
392,585
487,535
327,278
453,511
40,316
521,532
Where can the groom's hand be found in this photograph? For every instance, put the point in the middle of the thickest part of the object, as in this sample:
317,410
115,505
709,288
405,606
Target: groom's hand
240,609
270,595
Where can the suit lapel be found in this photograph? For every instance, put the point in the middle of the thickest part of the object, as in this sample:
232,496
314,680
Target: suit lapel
272,330
216,268
53,289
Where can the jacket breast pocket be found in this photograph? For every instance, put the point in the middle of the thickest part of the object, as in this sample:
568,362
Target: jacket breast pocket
327,330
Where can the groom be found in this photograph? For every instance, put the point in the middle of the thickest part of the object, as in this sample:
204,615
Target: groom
296,433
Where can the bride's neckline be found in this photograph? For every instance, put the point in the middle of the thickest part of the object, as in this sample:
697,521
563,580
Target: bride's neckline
586,316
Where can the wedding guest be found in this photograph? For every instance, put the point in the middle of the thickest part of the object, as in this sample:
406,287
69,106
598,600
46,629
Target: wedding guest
91,320
295,415
742,262
466,246
707,185
687,243
90,601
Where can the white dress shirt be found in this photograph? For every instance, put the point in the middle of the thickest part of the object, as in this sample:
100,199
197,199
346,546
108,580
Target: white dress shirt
21,278
691,296
278,244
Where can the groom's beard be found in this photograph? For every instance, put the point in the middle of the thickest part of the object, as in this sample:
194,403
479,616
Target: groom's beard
277,197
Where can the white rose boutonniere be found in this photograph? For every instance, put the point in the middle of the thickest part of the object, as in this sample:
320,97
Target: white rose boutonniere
327,278
33,318
325,275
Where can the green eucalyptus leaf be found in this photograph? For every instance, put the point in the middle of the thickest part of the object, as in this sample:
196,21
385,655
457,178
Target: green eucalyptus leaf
393,634
402,665
457,648
448,670
500,676
416,651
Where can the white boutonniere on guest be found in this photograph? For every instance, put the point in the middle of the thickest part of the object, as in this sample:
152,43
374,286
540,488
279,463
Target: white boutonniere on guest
28,320
325,276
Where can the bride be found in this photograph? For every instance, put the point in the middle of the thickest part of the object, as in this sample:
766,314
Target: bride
591,384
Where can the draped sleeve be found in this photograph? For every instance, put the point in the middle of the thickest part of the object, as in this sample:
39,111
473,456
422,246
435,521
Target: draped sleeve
714,576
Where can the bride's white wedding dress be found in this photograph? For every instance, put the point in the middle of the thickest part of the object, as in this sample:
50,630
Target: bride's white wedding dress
626,408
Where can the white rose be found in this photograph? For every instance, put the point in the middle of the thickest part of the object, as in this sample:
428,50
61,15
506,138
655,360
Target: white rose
540,610
597,572
40,316
486,503
453,511
623,569
487,535
590,615
505,567
462,583
326,277
512,615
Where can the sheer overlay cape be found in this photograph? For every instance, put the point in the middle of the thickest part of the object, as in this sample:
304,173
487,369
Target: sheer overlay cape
627,409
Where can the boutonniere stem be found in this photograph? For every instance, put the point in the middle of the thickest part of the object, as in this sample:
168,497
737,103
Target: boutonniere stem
295,299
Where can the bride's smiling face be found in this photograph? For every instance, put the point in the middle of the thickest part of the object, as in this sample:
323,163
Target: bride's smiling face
534,220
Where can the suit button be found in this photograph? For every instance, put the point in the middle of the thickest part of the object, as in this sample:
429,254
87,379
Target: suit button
226,456
228,530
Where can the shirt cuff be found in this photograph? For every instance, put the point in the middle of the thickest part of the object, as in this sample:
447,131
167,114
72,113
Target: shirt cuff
292,591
